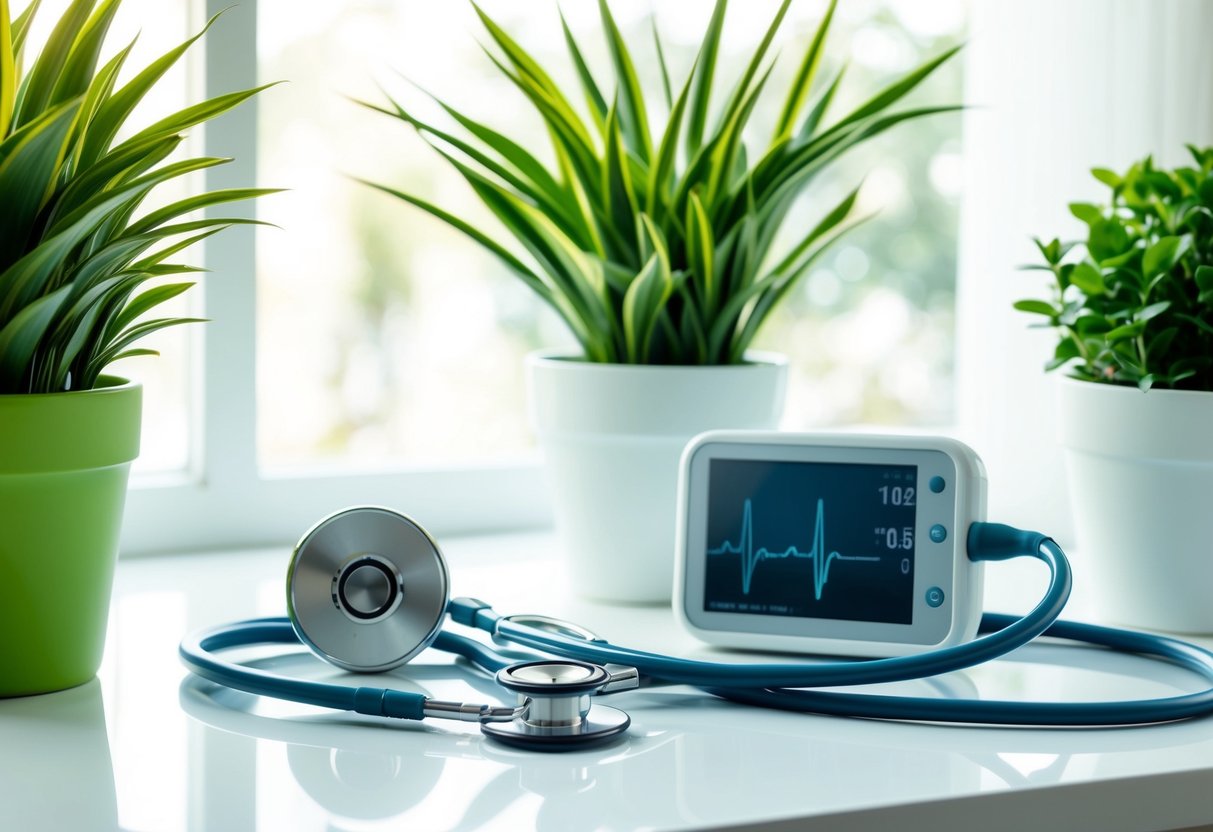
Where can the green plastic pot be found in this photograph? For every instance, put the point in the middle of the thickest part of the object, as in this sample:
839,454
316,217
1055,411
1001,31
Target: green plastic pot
64,463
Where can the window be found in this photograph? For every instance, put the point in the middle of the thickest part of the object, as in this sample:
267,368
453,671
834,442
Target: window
388,350
382,333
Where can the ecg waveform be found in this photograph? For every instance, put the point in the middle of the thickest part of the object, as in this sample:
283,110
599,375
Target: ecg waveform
750,558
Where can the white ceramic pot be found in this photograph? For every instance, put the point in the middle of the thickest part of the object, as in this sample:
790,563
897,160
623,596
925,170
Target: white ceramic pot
612,435
1140,468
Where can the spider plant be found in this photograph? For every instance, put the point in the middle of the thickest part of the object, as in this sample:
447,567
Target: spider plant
79,261
655,247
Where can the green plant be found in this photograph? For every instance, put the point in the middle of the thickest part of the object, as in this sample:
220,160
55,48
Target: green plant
1137,307
74,254
656,249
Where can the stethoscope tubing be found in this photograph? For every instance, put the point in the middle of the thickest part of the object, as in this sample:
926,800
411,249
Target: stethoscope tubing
777,685
671,669
199,653
1002,712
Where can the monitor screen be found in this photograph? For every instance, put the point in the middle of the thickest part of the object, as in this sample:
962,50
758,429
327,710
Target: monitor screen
811,539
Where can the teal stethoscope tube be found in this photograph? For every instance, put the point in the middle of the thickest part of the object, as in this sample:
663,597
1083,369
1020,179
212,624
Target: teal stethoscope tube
1055,714
771,685
1018,632
779,685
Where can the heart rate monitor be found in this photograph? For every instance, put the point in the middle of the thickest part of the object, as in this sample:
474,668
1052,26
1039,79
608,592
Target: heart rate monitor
828,544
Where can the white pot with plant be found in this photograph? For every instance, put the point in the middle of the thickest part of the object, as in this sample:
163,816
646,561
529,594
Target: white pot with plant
1135,320
82,263
655,248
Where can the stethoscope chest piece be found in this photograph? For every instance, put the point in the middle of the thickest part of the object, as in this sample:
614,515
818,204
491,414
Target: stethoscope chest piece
367,589
559,714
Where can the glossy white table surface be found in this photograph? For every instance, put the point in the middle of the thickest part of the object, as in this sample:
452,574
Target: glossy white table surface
144,747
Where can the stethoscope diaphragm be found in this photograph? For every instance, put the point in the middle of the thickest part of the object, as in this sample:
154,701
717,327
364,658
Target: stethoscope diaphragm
367,589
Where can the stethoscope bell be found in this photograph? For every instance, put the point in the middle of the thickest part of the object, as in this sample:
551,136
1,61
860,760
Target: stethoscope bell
367,589
558,712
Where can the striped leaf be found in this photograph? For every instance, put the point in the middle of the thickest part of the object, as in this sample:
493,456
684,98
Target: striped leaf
77,72
701,79
72,227
8,70
645,298
34,95
593,96
798,93
629,100
29,170
118,107
19,339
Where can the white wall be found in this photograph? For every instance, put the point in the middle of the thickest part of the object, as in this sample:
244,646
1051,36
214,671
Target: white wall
1057,87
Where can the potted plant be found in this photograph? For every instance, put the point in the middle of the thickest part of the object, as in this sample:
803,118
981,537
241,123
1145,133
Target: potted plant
80,265
1132,306
656,248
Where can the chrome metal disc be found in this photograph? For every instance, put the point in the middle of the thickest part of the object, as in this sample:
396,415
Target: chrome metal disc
367,589
602,724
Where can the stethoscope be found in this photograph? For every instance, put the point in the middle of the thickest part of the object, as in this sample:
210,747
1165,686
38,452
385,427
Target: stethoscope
368,589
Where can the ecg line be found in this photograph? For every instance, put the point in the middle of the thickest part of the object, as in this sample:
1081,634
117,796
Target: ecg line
750,558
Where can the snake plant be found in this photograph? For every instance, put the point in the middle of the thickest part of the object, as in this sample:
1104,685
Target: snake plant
80,263
656,246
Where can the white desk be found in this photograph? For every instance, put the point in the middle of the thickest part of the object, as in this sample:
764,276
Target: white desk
141,750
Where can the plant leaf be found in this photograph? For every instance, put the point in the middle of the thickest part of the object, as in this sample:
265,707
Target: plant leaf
1086,212
195,114
77,72
19,339
633,120
803,81
509,150
1107,177
815,115
29,169
662,170
20,28
896,91
617,184
701,254
1088,278
701,79
118,107
1152,311
771,291
147,300
8,70
742,92
645,298
34,95
1037,307
593,96
533,281
1108,238
665,71
1161,256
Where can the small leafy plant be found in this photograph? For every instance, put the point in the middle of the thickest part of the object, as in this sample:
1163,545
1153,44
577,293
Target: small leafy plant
655,247
1137,306
75,253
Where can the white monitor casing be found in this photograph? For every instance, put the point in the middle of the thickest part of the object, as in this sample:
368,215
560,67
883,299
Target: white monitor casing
942,565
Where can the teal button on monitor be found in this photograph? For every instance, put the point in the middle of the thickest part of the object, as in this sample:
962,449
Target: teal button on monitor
936,485
934,597
938,533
